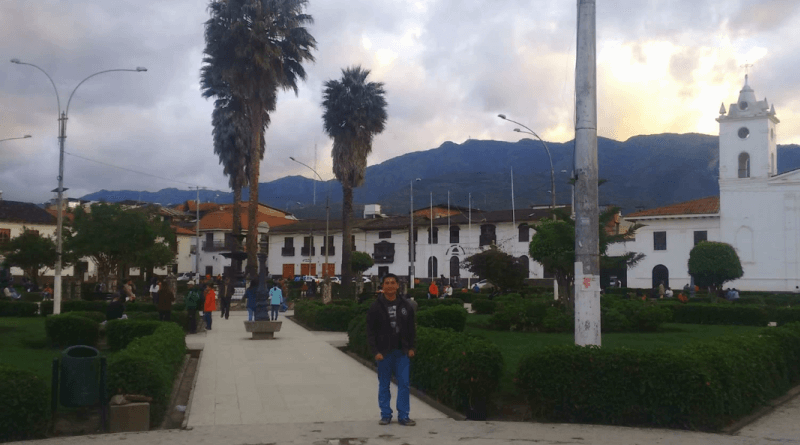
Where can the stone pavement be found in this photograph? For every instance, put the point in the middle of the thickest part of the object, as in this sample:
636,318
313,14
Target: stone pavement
299,389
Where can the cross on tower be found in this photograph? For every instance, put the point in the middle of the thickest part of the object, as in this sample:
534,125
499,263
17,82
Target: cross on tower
747,67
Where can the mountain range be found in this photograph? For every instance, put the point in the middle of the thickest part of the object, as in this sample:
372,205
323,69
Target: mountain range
641,172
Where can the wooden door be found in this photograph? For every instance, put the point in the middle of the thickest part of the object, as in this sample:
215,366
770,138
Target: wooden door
288,271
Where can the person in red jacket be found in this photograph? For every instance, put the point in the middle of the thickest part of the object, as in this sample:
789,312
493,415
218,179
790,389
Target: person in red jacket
209,306
433,290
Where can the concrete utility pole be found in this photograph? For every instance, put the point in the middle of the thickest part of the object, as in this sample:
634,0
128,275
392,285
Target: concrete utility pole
587,244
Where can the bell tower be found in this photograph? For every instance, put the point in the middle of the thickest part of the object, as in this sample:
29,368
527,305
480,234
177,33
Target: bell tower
747,147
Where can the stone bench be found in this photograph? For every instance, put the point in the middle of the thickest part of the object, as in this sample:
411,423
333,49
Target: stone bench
263,329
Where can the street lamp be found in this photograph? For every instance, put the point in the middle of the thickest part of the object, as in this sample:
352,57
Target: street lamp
11,139
411,241
552,172
62,136
325,274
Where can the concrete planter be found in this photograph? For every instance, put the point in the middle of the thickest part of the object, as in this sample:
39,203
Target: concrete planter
263,330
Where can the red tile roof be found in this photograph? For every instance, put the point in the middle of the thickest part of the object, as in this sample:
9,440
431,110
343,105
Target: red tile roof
223,220
68,216
702,206
182,231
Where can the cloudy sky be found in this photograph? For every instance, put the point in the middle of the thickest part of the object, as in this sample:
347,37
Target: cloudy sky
449,67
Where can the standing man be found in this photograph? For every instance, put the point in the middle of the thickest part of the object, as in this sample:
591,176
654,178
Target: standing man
391,334
225,297
165,299
192,301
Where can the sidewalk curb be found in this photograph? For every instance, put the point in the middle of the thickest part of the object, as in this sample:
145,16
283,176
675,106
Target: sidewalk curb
199,348
733,429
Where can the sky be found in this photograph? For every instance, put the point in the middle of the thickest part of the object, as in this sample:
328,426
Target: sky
449,68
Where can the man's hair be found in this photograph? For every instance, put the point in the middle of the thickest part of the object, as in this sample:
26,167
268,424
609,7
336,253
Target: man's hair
389,275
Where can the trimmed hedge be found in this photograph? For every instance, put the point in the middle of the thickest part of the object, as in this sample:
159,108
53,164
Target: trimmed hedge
452,367
24,405
332,317
148,366
71,330
426,303
632,315
720,314
702,386
443,317
95,316
513,313
120,333
484,306
18,309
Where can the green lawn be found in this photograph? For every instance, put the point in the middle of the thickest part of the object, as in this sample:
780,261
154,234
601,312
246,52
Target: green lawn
24,345
514,345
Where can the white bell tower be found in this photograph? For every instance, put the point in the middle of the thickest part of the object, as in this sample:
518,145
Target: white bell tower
747,147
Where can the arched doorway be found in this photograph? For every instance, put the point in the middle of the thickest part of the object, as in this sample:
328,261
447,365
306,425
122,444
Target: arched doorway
525,263
660,273
455,267
433,267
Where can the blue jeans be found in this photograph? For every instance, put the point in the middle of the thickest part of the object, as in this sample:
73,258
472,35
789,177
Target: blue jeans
397,363
274,313
207,316
250,314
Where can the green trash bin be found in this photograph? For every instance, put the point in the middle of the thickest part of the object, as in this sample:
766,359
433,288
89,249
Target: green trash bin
80,376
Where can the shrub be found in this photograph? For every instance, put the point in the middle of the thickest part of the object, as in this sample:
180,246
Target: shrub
46,307
91,315
24,405
148,366
141,316
121,332
443,317
357,337
140,307
484,306
433,302
17,309
81,305
719,314
70,330
558,320
612,320
642,316
700,386
333,317
516,314
34,297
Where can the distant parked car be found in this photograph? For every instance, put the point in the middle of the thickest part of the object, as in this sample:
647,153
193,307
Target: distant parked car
336,280
310,278
186,276
483,283
363,279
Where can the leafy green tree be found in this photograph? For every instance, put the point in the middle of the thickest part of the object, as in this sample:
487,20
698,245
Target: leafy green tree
253,48
553,246
712,264
355,111
359,263
32,253
501,269
116,239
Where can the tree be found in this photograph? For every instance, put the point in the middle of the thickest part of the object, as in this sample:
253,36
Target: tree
31,252
712,264
359,263
501,269
115,239
355,111
254,47
553,246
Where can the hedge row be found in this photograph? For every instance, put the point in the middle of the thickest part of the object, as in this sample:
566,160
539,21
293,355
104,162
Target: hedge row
148,366
484,306
18,309
70,330
120,333
702,386
443,317
330,317
434,302
452,367
101,306
25,405
726,314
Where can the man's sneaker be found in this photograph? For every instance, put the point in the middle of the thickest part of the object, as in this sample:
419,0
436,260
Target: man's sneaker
385,421
406,422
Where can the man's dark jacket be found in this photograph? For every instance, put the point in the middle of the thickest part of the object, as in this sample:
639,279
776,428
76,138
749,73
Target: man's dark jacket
379,329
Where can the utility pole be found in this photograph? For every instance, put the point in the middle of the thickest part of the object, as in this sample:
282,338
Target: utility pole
587,245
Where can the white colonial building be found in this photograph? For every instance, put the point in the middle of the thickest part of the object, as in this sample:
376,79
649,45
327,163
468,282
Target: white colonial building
757,211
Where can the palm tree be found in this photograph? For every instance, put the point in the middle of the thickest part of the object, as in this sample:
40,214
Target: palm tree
355,111
254,47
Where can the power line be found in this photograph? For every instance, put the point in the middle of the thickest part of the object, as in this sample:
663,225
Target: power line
130,170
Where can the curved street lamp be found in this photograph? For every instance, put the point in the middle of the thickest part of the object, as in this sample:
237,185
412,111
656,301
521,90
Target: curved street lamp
62,136
552,172
11,139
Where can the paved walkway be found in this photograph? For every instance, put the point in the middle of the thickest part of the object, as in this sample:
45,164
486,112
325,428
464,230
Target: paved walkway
299,389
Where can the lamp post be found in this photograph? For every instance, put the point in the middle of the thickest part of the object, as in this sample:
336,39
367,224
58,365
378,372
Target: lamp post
325,274
62,136
11,139
552,172
411,241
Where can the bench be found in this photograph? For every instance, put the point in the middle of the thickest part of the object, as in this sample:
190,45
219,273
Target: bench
263,329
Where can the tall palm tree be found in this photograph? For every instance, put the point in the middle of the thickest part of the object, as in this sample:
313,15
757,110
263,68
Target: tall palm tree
254,47
355,111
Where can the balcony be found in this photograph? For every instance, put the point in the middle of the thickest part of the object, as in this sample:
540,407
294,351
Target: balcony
287,251
383,257
217,246
304,251
487,240
332,251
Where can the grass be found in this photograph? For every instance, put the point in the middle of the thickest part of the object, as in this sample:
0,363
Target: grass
24,345
514,345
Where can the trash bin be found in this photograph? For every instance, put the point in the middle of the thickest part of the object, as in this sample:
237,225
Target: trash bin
80,376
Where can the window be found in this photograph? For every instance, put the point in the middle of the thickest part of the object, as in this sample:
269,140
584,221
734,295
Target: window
433,267
288,246
308,246
455,267
454,232
524,233
383,252
328,248
383,271
488,235
435,239
744,165
525,265
700,235
210,270
5,236
385,234
659,240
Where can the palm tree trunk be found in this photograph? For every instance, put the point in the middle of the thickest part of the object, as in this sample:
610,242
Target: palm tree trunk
347,248
237,212
252,209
